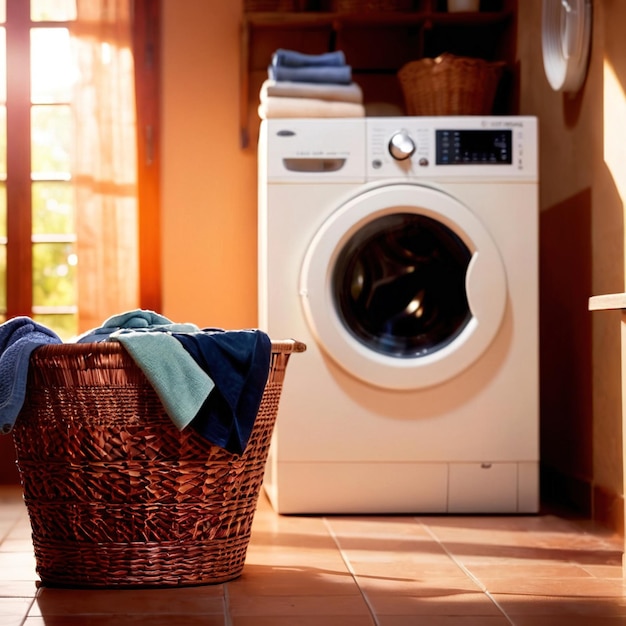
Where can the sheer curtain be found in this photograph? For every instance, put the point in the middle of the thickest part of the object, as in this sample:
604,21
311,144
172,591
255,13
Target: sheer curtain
105,164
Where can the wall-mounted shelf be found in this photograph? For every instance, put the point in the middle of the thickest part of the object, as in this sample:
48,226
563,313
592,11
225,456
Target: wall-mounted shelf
376,45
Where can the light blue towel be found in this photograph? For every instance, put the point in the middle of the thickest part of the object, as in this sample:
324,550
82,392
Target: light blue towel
293,58
18,338
181,384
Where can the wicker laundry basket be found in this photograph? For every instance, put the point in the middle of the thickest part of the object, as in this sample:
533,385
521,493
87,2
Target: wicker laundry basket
450,85
116,495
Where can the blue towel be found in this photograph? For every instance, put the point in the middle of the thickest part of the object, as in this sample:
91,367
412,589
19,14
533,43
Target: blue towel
292,58
238,362
137,318
337,75
18,338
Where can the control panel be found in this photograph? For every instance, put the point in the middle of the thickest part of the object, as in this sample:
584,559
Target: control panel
463,147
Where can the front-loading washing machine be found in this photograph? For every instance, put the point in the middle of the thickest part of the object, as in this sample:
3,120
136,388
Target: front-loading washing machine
404,252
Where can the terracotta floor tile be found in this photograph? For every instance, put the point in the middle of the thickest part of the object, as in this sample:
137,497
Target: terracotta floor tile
308,605
18,588
604,571
537,570
517,605
440,602
408,570
205,600
304,620
557,587
261,580
275,556
569,620
443,620
127,620
17,566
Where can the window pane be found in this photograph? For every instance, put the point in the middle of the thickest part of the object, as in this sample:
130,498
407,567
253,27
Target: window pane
54,10
3,65
53,208
54,274
64,325
51,140
52,68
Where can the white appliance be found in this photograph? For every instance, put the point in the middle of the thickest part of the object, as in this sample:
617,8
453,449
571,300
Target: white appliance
404,253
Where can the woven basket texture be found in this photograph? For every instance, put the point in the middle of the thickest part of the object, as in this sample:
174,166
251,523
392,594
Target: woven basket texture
116,495
450,85
356,6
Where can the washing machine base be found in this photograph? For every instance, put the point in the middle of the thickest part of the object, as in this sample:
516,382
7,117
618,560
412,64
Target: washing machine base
375,488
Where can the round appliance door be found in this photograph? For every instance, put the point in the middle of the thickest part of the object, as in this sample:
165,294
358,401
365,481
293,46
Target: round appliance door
403,287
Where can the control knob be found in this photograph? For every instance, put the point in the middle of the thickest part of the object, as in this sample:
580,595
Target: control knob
401,146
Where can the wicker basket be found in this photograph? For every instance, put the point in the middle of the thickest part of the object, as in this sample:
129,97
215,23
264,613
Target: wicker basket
116,495
357,6
450,85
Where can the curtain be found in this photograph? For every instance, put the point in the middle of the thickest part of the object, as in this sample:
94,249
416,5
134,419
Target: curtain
105,162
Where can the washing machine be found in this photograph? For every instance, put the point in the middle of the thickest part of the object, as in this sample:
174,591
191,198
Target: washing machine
404,252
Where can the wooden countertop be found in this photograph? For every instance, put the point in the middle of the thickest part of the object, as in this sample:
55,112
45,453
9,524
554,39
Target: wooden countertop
607,301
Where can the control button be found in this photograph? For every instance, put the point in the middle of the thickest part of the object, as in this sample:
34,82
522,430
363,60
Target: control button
401,146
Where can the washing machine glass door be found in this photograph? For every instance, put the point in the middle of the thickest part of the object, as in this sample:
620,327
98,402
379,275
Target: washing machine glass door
403,287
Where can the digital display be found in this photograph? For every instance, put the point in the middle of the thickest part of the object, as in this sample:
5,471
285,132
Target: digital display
486,147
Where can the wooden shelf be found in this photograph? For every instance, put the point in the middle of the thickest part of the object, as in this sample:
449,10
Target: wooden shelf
376,45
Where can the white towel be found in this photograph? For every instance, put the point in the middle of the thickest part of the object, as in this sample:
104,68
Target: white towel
275,107
320,91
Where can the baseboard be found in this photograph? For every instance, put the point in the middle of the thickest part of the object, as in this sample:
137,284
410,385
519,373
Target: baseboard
583,498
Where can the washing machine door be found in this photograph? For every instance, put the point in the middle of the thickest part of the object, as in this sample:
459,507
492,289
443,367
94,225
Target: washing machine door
403,287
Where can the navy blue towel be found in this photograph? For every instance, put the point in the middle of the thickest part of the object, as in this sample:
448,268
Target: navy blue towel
238,362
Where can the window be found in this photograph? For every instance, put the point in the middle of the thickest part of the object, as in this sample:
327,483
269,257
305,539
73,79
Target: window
71,189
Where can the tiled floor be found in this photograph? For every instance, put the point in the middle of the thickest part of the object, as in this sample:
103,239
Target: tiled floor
543,570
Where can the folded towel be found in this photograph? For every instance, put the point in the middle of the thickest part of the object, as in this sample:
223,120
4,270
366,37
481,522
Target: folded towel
181,384
275,107
340,75
238,362
18,338
320,91
292,58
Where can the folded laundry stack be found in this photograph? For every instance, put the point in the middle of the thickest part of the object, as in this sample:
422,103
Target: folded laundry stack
310,85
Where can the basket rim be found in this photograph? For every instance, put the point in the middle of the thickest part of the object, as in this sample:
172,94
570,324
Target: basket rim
284,346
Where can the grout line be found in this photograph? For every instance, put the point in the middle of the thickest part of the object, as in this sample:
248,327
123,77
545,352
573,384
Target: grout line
466,571
30,608
348,565
228,619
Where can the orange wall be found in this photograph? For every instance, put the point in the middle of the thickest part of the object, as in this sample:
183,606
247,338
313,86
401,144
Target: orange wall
208,182
582,254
